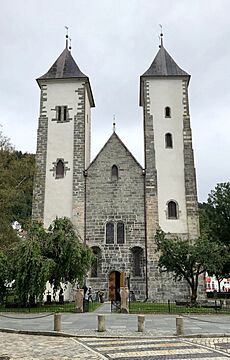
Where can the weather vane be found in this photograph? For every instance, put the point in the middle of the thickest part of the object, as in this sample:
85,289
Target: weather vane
114,123
161,37
67,36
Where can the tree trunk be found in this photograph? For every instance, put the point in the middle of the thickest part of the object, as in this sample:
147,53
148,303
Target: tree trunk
193,295
219,281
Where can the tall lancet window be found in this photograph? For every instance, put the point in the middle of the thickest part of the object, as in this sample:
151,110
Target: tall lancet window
172,210
60,169
109,233
168,141
114,173
167,112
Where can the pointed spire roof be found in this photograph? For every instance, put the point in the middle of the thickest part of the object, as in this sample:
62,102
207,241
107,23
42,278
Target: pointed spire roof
65,67
163,65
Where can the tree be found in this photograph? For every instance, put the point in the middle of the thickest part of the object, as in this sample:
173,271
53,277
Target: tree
188,260
55,255
3,274
72,258
216,214
32,270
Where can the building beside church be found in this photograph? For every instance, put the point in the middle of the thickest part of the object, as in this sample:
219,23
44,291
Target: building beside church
115,204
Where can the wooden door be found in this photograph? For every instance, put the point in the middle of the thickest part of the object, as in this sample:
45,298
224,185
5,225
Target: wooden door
112,286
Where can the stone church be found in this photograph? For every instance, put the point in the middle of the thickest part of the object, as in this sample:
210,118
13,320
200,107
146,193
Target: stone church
115,204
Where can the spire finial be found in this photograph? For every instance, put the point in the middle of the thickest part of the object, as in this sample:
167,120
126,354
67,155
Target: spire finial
161,37
70,47
114,124
66,37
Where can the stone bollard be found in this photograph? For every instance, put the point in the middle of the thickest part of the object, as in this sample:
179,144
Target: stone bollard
141,323
179,326
101,323
57,322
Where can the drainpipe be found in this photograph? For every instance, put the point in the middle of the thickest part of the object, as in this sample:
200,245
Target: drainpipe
85,176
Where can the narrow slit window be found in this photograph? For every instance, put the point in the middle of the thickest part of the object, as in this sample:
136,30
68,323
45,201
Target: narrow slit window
172,210
114,173
167,112
109,233
137,259
60,169
120,232
64,113
59,113
168,141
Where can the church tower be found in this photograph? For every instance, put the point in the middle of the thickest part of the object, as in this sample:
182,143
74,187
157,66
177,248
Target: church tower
170,182
63,143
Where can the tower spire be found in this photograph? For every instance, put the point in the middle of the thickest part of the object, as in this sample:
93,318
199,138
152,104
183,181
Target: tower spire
161,36
66,37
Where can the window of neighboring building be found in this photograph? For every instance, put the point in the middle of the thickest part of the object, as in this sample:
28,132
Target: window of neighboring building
110,233
120,233
168,141
167,111
114,173
172,210
60,169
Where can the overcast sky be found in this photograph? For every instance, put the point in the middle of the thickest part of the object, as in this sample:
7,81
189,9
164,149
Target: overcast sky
114,42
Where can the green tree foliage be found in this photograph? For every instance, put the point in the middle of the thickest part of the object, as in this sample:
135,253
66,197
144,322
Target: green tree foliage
31,270
188,260
215,214
4,275
72,258
55,255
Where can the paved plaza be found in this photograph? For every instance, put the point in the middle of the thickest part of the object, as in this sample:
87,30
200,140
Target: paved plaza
205,337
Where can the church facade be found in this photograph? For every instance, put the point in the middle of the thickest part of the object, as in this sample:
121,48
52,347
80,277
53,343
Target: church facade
115,204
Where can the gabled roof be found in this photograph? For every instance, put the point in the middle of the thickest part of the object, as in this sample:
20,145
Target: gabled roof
65,67
114,135
164,65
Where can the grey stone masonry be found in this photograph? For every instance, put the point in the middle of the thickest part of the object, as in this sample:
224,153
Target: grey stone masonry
78,212
40,177
189,170
114,200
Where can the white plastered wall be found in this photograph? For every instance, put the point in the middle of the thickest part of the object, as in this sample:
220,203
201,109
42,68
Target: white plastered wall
58,192
169,162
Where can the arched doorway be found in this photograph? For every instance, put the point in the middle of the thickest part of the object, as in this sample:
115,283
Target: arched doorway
114,286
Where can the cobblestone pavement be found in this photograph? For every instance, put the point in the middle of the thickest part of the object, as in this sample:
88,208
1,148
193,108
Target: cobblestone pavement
37,347
34,347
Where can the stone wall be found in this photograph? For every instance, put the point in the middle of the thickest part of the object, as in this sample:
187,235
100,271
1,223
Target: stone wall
116,200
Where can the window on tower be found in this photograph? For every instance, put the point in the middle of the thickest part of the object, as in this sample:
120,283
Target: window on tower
114,173
110,233
168,141
62,114
172,210
60,169
167,112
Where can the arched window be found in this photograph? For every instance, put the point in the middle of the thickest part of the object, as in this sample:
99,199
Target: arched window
120,232
167,111
137,260
168,141
109,233
172,210
60,169
95,264
114,173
